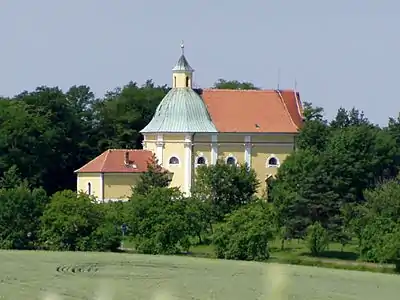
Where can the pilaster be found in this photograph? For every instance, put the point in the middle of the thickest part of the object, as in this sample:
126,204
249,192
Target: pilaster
188,165
214,149
160,148
247,150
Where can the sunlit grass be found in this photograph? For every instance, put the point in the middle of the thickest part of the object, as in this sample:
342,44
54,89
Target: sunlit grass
67,275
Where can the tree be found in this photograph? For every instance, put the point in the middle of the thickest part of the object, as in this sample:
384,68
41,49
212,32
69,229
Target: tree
11,178
245,234
379,224
317,239
20,212
75,222
198,219
225,187
124,112
354,157
158,222
315,131
234,85
346,118
302,194
155,176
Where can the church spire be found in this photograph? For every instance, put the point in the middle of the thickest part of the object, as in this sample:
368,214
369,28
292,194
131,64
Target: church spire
182,72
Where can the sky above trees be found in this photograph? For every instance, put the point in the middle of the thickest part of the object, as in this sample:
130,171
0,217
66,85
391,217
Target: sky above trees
341,53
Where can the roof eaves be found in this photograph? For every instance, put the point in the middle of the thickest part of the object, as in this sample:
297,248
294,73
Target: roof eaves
79,170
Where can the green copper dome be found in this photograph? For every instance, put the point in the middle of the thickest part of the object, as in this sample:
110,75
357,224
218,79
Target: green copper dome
181,110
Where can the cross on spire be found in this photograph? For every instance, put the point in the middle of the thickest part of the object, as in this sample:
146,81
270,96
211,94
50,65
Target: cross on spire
182,48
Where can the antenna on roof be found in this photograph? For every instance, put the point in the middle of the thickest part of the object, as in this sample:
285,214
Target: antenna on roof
279,77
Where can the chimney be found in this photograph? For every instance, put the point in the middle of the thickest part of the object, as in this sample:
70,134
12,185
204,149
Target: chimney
126,160
133,165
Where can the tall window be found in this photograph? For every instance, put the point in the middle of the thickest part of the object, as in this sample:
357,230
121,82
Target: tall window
187,81
174,81
89,188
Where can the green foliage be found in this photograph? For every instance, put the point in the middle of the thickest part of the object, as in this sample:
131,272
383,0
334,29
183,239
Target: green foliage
234,85
318,181
158,222
225,187
124,112
317,239
11,178
48,133
315,131
75,222
380,231
155,177
20,212
115,212
199,219
245,234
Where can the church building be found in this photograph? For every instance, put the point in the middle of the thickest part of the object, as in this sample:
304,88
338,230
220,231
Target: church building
198,127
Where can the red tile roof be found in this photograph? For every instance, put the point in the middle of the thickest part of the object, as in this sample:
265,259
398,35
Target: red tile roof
254,110
113,161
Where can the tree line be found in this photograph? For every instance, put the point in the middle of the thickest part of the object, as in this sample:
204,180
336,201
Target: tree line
340,185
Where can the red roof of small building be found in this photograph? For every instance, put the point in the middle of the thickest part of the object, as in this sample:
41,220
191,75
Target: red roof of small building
248,111
113,161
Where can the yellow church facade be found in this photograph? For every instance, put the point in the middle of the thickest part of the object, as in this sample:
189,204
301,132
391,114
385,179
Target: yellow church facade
197,127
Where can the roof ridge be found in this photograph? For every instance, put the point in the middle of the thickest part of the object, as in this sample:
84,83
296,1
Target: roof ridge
244,91
286,109
105,159
298,102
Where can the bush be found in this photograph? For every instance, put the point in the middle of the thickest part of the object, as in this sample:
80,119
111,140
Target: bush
76,222
317,238
20,212
158,222
246,234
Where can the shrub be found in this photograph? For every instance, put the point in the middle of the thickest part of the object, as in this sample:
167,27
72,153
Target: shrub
158,222
246,234
317,238
20,212
75,222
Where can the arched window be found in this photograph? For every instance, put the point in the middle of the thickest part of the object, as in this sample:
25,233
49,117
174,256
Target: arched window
174,161
201,160
174,81
187,81
231,161
272,161
89,188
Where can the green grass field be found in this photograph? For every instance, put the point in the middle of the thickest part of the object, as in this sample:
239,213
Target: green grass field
106,276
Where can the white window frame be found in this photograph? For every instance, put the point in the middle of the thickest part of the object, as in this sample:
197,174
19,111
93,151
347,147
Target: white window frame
174,165
201,155
231,156
268,165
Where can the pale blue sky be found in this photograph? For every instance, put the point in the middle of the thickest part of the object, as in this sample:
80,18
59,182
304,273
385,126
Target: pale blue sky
342,52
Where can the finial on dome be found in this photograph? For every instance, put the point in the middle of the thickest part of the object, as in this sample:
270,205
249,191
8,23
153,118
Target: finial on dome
182,48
